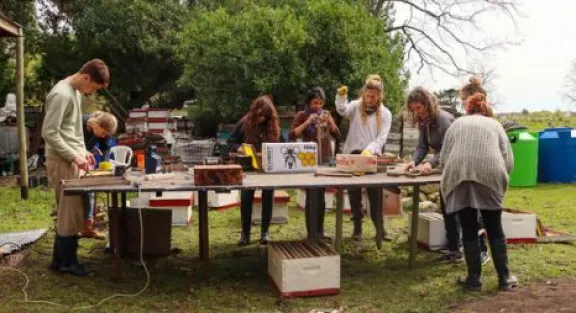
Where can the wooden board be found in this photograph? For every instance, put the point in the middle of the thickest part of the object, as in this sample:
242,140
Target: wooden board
96,181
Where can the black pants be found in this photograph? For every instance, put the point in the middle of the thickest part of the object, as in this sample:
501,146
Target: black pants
492,223
355,197
246,202
315,230
453,229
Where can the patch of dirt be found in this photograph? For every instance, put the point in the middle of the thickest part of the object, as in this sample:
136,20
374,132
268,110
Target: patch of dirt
553,296
15,259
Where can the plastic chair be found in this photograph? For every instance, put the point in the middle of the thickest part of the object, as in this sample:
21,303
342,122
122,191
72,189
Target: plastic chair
122,155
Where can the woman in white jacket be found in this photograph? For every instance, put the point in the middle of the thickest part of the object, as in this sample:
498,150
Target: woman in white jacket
370,123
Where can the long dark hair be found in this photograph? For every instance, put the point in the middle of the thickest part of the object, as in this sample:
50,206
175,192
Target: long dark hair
262,106
424,97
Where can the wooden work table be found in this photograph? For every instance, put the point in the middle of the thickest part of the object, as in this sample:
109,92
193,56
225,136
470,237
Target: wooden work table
184,182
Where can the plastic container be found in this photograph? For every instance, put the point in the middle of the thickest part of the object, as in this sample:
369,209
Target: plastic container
153,161
525,148
556,155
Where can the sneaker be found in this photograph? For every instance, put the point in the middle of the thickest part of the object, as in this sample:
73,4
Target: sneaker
484,257
451,257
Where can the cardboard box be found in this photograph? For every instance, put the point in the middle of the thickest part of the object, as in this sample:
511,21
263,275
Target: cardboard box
279,209
289,157
157,232
301,269
351,163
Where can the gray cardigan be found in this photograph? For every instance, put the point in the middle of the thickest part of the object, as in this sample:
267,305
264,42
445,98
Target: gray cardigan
432,137
476,149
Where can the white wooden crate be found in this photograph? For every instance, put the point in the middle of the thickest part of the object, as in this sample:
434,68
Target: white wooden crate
431,232
330,198
221,201
138,113
181,215
300,269
519,227
159,113
279,209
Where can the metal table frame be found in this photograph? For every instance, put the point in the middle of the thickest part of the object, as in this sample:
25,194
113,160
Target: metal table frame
253,181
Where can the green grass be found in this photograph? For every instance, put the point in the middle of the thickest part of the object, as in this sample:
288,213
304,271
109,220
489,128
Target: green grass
372,281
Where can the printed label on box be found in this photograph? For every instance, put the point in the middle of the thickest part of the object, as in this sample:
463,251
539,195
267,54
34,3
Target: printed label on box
290,157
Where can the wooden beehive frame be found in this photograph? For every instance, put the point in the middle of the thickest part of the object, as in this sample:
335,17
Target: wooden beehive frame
96,181
290,250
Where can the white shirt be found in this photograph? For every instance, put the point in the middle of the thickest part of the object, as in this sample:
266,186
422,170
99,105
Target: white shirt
364,136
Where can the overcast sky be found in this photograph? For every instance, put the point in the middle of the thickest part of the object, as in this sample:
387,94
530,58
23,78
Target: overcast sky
531,75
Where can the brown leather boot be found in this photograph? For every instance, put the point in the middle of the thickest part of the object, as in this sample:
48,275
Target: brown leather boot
89,232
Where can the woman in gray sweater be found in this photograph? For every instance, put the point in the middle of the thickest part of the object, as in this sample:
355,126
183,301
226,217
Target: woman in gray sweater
477,159
432,125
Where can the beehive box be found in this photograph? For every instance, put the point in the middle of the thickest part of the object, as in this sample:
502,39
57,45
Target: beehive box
221,200
302,269
217,175
289,157
181,214
519,226
279,209
431,232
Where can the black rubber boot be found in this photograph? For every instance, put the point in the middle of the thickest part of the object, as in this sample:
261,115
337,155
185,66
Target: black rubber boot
499,249
355,198
246,200
267,206
472,282
264,238
55,255
244,239
357,233
68,257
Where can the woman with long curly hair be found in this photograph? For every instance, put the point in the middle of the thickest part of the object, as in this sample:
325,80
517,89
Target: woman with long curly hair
370,123
259,125
477,160
432,124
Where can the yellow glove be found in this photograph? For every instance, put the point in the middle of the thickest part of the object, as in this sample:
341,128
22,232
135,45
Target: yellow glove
342,91
366,152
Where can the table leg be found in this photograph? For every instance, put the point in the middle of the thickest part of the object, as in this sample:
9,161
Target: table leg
414,231
312,215
339,211
116,239
379,218
123,225
203,232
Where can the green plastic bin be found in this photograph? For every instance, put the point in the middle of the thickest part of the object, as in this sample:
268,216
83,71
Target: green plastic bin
525,148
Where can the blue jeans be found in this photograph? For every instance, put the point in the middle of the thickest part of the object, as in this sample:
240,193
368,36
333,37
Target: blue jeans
89,200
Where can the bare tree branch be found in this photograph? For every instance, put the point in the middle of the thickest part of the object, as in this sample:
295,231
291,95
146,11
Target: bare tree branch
570,84
446,29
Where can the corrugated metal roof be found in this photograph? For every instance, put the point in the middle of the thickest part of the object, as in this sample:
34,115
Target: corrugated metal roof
10,242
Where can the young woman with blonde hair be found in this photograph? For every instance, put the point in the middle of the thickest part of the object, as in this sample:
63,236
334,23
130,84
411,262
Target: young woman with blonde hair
97,127
370,123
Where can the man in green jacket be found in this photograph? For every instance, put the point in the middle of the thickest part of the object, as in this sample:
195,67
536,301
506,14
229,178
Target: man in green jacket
67,157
